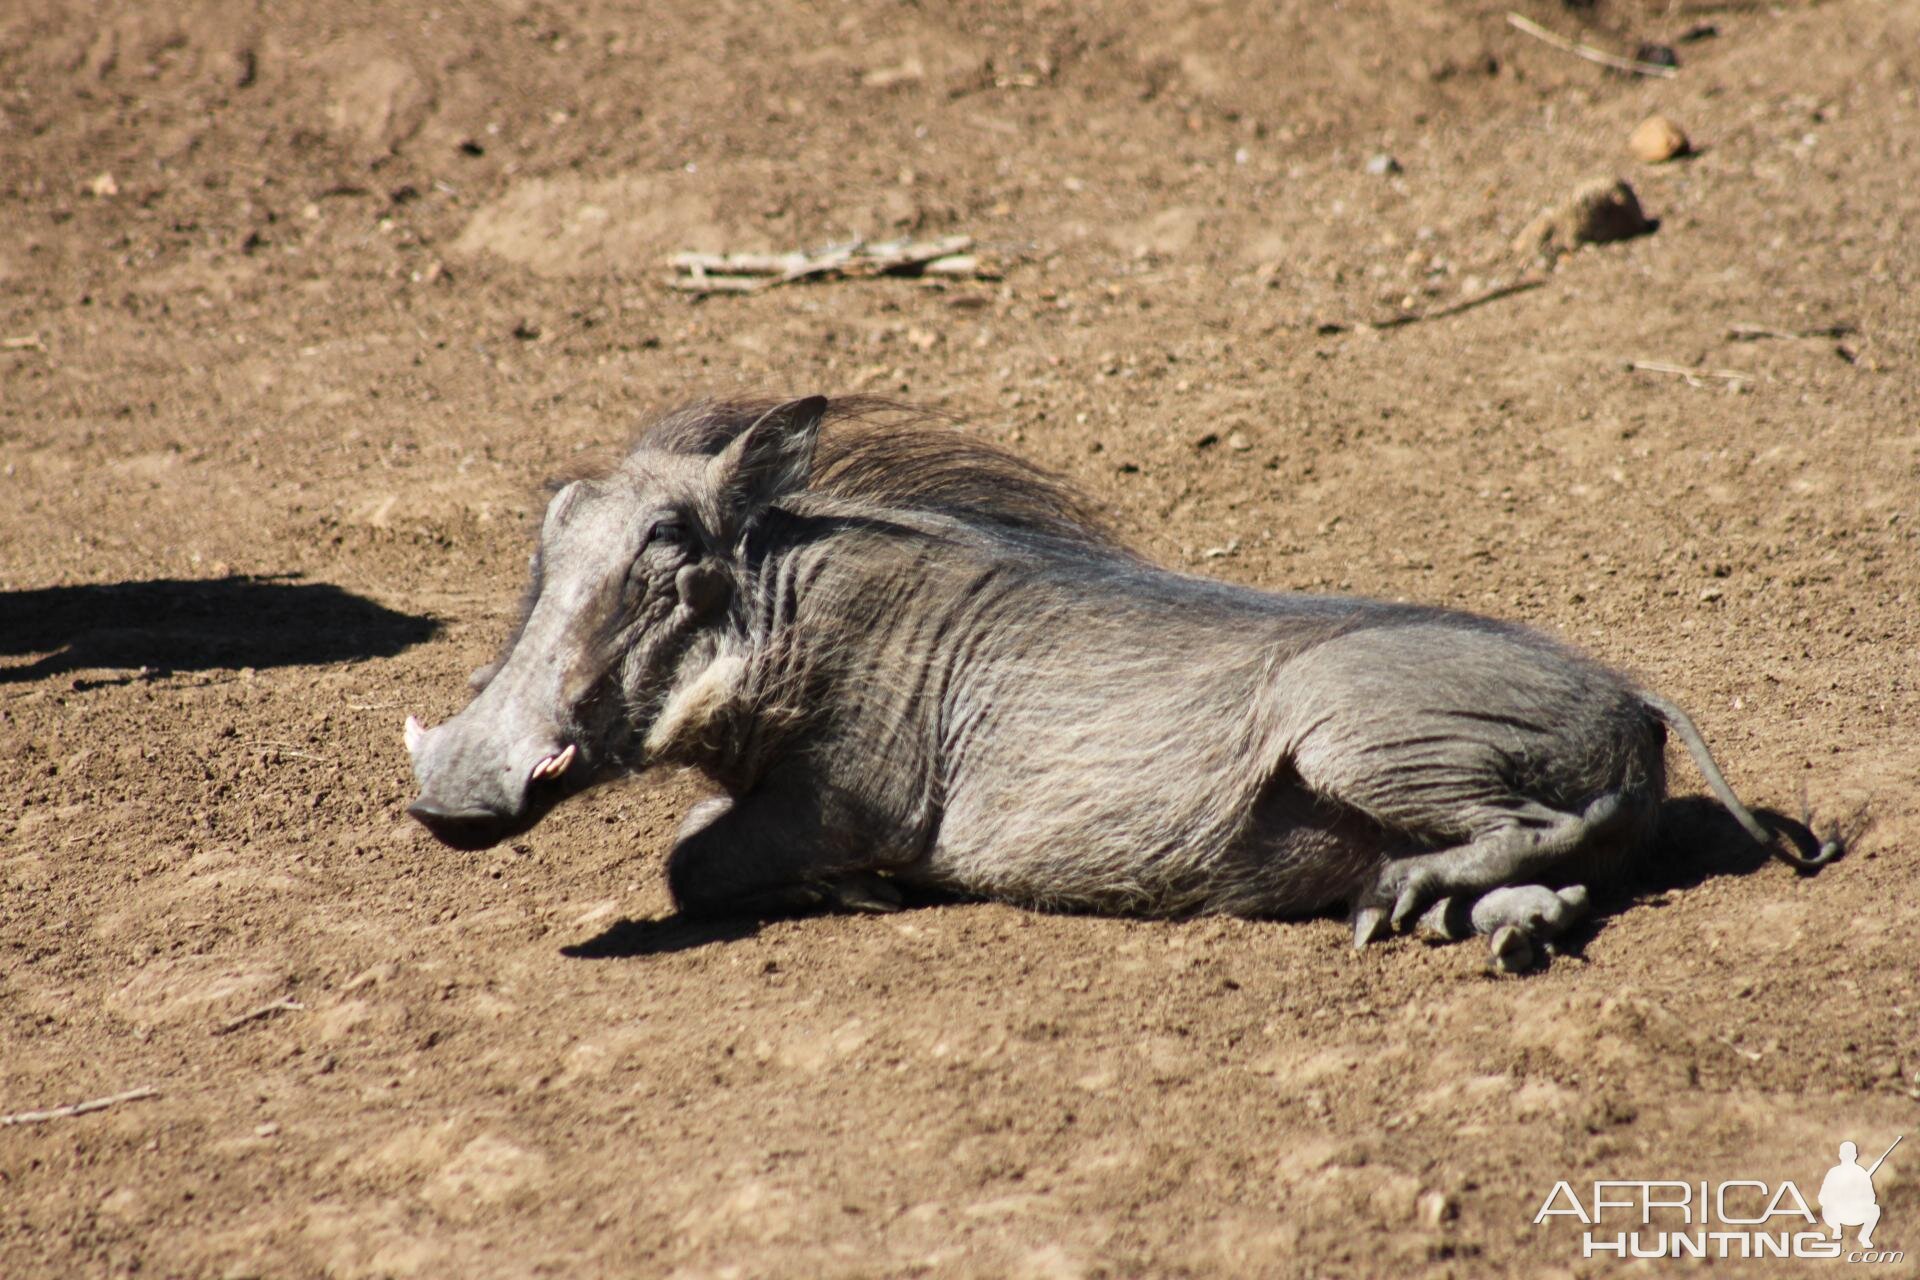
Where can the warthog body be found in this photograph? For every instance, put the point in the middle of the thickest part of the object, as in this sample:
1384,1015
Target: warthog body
899,654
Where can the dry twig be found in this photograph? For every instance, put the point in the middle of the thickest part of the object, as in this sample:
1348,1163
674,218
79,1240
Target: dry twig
1756,332
280,748
1695,377
704,273
254,1015
1588,52
80,1108
25,342
1465,304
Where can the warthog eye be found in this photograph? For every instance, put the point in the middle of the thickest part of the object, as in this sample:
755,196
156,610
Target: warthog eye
668,537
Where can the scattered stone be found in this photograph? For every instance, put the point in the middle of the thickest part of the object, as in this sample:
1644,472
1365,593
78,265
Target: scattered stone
1238,442
1436,1207
1599,212
103,186
1657,139
1382,165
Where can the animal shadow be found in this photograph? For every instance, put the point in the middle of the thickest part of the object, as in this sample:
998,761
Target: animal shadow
165,625
630,938
1697,841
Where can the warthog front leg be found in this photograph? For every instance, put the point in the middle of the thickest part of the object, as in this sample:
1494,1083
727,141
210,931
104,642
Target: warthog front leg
762,853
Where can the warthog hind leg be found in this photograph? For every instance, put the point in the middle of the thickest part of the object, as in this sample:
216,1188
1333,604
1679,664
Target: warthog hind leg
1519,846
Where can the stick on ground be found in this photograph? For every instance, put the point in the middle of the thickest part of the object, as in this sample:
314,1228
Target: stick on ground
80,1108
254,1015
1588,52
1464,304
704,273
1757,332
1694,377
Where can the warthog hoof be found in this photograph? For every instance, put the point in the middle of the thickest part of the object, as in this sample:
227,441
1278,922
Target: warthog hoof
861,891
1512,949
1543,913
1369,926
1521,921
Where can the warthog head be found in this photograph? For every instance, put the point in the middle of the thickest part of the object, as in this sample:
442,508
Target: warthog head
630,606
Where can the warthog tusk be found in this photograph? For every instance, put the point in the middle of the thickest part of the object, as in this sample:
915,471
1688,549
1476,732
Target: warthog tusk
555,765
414,733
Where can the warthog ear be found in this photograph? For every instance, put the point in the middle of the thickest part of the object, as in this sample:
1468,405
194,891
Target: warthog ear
770,459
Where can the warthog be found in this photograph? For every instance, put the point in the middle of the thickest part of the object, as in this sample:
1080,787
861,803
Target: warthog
903,656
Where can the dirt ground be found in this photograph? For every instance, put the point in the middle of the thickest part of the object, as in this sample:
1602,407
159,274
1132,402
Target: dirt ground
302,302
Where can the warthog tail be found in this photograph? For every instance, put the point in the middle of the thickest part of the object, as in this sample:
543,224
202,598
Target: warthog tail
1680,723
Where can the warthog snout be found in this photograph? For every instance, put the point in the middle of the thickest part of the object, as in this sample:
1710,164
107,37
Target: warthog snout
474,793
627,642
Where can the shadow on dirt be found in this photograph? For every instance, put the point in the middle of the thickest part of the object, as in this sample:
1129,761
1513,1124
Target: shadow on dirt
627,938
166,625
1698,841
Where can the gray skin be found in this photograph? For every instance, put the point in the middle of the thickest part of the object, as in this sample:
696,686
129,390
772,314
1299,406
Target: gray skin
902,656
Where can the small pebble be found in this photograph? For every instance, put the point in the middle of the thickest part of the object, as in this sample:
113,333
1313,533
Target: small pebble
1657,139
103,185
1436,1207
1382,165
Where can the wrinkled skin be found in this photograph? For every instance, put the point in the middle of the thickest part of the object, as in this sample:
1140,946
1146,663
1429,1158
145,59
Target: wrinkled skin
621,608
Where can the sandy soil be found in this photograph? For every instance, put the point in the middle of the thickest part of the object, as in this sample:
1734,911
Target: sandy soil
302,303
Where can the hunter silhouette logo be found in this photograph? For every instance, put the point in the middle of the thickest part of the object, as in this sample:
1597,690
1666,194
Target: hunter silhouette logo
1846,1194
1739,1218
